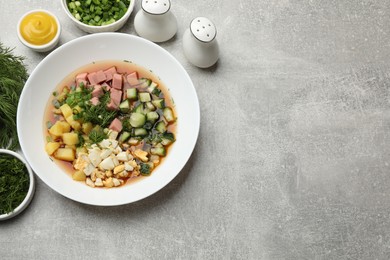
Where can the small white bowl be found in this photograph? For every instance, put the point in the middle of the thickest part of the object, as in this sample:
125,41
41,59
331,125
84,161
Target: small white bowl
31,188
103,28
45,47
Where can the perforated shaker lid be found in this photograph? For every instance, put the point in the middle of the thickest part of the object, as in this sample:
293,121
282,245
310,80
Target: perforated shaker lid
203,29
156,7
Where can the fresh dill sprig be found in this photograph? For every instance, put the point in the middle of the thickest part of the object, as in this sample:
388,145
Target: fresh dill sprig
97,135
14,183
13,75
99,114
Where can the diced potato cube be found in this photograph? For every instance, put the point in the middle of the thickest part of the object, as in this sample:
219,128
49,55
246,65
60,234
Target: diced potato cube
75,125
66,110
73,147
65,127
65,154
51,147
87,127
79,176
70,138
56,129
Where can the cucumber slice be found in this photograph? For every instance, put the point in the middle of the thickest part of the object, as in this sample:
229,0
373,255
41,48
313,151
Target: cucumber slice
139,108
137,119
159,103
125,106
161,151
140,132
161,127
153,89
150,106
167,139
168,114
152,116
144,83
124,136
144,97
131,93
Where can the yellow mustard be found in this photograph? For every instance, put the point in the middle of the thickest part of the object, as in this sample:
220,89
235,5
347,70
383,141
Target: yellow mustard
38,28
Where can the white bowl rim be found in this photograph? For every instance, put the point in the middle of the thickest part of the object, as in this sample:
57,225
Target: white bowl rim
44,46
125,16
166,179
31,188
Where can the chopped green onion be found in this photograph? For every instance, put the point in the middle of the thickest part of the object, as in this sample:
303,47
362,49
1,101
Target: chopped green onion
98,12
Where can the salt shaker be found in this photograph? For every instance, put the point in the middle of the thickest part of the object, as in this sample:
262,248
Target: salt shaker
154,21
200,44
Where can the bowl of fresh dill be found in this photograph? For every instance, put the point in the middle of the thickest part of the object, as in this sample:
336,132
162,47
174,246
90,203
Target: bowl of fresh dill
17,184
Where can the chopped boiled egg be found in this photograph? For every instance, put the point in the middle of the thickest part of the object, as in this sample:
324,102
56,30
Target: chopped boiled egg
142,155
107,164
105,153
94,157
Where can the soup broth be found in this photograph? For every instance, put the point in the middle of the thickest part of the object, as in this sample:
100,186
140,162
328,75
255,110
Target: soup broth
54,113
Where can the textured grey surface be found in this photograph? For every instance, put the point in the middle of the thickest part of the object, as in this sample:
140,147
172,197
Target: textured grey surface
293,155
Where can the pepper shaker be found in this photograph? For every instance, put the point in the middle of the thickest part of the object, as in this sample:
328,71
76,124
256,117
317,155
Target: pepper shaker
200,44
154,21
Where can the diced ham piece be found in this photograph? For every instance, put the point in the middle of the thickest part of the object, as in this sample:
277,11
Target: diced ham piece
92,77
81,78
97,91
81,81
106,86
116,97
101,77
117,81
109,73
116,125
95,101
132,78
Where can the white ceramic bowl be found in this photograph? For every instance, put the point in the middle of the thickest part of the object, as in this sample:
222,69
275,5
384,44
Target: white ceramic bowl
45,47
31,188
77,53
104,28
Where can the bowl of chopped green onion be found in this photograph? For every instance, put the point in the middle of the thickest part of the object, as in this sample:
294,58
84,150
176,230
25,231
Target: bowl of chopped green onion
94,16
17,184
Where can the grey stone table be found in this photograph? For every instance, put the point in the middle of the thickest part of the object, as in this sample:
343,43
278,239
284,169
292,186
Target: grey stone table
293,155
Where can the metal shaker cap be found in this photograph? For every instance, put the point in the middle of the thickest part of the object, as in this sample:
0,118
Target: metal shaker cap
203,29
156,7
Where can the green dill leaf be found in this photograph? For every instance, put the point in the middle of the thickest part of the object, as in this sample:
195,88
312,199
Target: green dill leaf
14,183
13,75
97,135
99,114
